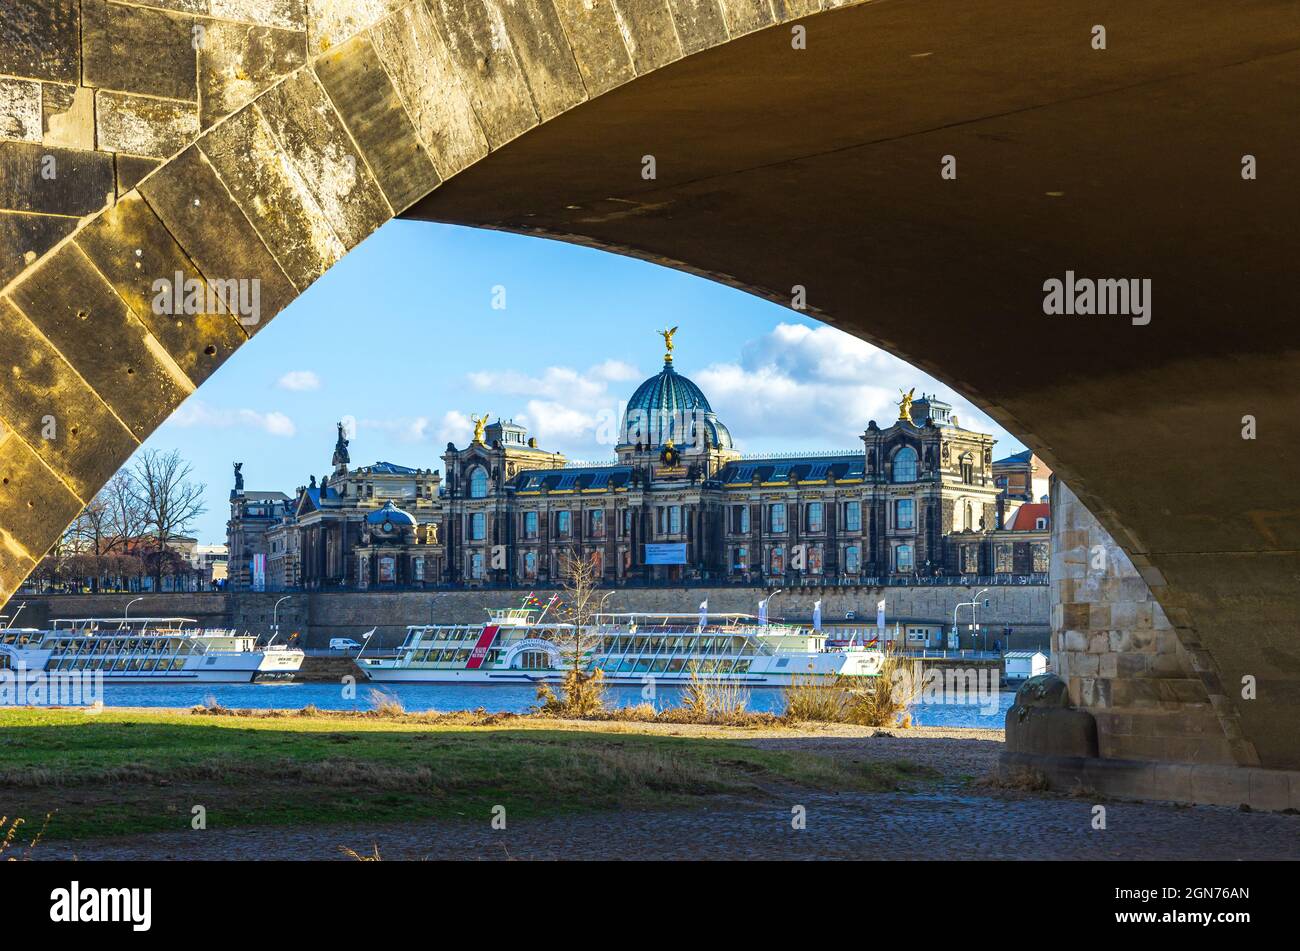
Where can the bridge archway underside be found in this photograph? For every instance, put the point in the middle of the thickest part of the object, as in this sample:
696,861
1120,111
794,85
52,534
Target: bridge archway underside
778,167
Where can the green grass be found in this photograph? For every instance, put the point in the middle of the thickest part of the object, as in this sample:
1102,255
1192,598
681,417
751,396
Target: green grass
121,773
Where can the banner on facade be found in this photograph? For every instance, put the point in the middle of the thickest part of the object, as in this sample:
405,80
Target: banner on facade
258,573
666,554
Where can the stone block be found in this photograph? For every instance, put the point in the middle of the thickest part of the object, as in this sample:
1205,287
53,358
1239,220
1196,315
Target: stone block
39,39
141,125
1086,665
138,50
53,181
1221,786
55,412
1074,616
1075,640
284,14
35,504
597,43
422,71
700,24
239,61
330,22
1269,789
650,33
80,313
480,49
133,250
745,16
190,199
1132,665
68,116
1098,642
543,52
1108,665
20,109
794,9
274,196
24,238
369,106
130,169
314,141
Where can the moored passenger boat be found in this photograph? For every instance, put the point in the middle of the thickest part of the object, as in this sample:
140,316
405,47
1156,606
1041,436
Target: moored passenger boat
520,646
146,650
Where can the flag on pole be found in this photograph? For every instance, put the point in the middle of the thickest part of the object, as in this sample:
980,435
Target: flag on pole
880,616
817,615
704,612
762,611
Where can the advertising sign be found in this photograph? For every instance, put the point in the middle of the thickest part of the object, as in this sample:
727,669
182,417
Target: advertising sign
666,554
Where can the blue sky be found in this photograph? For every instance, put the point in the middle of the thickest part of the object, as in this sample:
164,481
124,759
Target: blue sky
401,337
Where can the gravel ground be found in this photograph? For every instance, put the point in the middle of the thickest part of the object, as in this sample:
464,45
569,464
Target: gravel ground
952,819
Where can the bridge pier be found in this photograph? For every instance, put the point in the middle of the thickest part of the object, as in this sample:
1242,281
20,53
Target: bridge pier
1134,707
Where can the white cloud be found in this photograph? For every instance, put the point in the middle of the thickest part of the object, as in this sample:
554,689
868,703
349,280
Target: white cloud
571,411
802,387
455,427
299,381
197,413
793,388
409,429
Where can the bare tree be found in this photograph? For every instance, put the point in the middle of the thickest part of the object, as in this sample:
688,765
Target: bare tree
107,526
169,501
583,692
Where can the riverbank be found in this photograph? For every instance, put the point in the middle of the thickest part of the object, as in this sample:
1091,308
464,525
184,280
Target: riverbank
641,791
126,772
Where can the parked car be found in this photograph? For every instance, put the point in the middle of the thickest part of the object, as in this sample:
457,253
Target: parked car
344,644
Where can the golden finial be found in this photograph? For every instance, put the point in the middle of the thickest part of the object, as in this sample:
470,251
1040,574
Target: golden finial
668,341
905,407
480,423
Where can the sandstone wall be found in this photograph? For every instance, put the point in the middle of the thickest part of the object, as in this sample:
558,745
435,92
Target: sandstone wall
1152,697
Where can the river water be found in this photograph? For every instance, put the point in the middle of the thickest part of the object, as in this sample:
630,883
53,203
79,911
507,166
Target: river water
418,698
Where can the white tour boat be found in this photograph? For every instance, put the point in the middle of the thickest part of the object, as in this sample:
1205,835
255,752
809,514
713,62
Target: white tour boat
520,646
156,650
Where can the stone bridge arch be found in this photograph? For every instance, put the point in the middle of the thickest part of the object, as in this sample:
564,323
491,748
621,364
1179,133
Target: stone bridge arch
266,138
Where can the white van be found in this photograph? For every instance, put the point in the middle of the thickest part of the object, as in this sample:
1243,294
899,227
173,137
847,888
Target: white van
344,644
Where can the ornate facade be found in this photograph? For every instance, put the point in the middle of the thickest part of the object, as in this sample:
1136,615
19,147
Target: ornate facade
678,503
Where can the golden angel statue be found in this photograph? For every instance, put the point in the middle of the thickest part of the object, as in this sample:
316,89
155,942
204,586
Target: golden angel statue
668,342
905,407
480,423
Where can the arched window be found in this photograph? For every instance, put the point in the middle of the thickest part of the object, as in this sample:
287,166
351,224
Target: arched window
905,465
478,483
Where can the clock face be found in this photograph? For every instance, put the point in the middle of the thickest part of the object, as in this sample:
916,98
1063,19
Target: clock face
388,527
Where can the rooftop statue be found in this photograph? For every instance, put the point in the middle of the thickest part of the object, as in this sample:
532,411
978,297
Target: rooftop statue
668,341
905,407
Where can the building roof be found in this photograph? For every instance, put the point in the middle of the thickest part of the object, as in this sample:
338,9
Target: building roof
386,468
389,512
670,406
262,496
1016,459
575,479
1027,516
811,468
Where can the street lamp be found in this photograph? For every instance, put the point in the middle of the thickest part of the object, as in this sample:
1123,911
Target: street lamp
275,624
767,613
127,612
